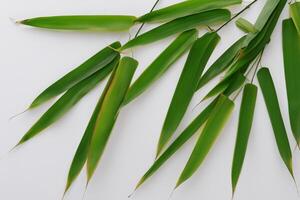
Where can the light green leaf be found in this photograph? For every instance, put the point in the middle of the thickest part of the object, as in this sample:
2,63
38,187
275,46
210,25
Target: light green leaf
112,101
271,100
161,64
295,14
291,55
192,71
83,22
245,25
179,25
209,135
243,132
185,8
92,65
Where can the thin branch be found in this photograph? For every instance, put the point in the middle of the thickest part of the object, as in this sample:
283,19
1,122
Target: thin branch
143,24
238,14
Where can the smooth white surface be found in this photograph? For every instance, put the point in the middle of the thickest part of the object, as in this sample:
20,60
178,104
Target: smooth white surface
31,59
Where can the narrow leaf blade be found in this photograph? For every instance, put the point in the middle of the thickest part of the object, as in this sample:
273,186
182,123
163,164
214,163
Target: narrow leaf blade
244,128
83,22
291,55
209,135
161,64
194,66
271,100
92,65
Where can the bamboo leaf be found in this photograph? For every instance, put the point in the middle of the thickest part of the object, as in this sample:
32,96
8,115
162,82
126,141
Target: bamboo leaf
191,129
92,65
185,8
243,132
194,66
179,25
270,96
81,154
223,62
291,55
161,64
295,14
83,22
235,84
209,135
245,26
112,101
67,101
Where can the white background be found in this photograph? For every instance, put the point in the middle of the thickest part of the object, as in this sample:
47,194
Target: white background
31,59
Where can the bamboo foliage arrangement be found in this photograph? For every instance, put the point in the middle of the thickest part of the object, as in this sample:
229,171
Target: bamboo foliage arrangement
239,64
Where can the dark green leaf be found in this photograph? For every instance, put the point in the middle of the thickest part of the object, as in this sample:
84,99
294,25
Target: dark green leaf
270,96
291,55
161,64
209,135
243,132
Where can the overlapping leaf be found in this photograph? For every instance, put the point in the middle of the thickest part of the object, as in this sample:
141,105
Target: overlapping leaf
194,66
92,65
185,8
179,25
207,138
67,101
108,113
161,64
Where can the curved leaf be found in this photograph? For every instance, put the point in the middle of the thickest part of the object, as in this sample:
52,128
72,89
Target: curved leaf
67,101
179,25
83,22
161,64
270,96
92,65
194,66
295,14
185,8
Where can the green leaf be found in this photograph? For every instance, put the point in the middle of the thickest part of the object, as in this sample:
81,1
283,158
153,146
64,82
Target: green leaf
161,64
291,55
238,80
185,8
223,62
179,25
209,135
194,66
112,101
92,65
295,14
243,132
271,100
265,14
81,154
83,22
67,101
245,26
191,129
